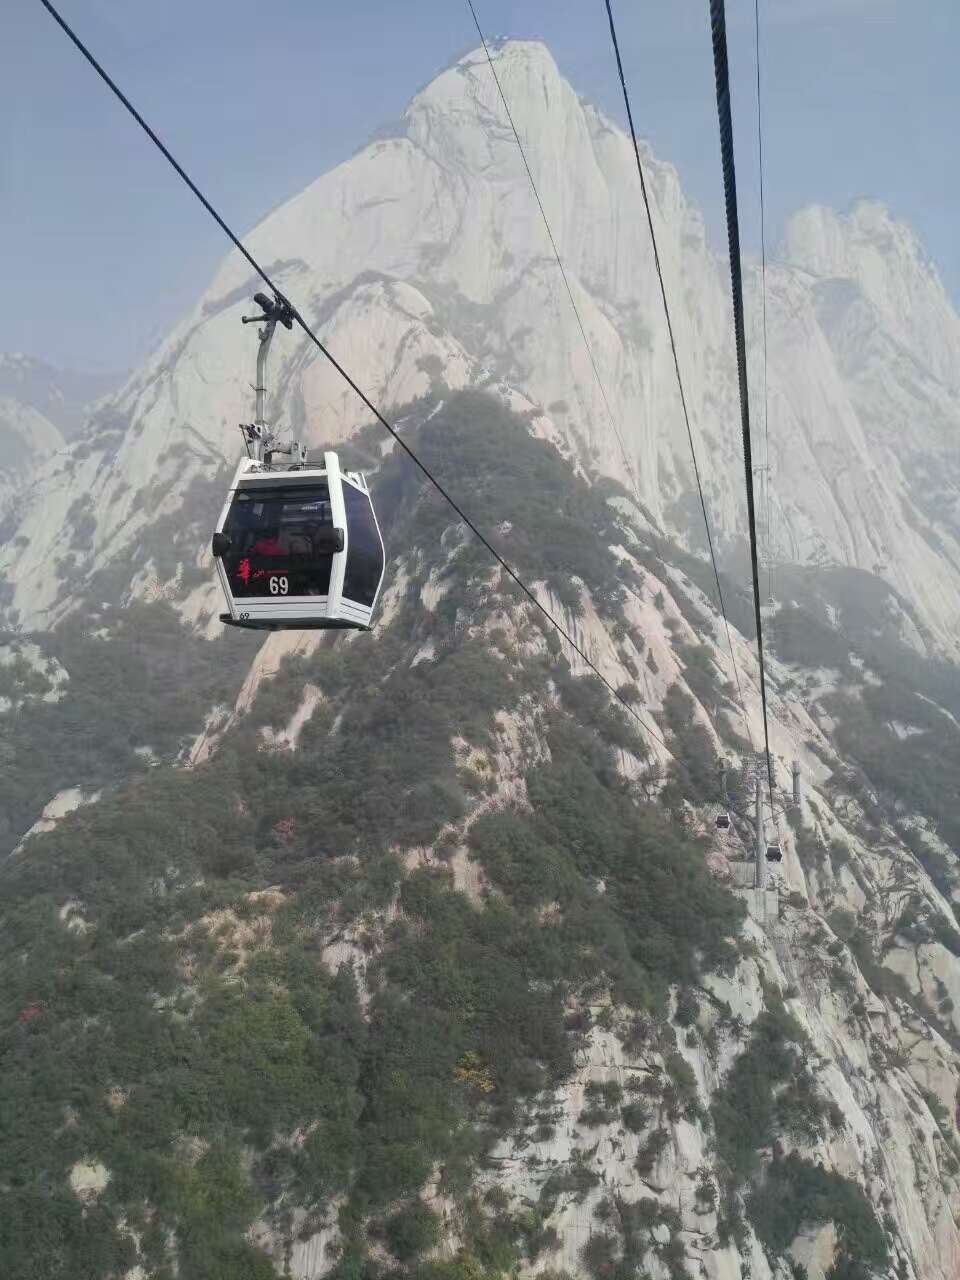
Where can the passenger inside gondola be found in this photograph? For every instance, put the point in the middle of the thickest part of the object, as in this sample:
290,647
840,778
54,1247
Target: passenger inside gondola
280,542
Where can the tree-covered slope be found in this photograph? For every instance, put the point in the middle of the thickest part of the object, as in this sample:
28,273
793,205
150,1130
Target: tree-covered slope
430,965
168,1012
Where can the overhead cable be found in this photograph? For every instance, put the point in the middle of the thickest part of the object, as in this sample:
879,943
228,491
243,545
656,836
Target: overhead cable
718,28
763,301
676,365
237,243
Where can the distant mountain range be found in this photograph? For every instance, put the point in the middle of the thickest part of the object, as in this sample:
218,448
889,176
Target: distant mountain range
41,409
423,262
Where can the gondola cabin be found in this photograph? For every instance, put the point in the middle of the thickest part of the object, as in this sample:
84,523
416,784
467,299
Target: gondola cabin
298,548
774,853
723,822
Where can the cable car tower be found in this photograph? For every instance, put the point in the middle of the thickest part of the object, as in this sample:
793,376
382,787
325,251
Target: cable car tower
751,874
761,850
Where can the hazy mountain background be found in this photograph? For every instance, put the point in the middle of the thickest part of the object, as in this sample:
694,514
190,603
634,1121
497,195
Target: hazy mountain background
41,408
125,249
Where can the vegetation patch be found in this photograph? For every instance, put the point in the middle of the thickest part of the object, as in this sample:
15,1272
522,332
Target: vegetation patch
170,1007
796,1194
769,1090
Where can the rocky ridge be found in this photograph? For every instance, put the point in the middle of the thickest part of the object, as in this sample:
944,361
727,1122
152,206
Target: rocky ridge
422,261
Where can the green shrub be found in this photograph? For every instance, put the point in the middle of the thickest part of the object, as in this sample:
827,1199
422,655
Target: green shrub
603,1103
412,1231
692,776
599,1254
768,1090
636,1116
796,1193
651,1150
680,1095
575,1180
688,1007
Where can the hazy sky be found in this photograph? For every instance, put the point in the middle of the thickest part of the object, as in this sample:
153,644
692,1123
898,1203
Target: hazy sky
102,248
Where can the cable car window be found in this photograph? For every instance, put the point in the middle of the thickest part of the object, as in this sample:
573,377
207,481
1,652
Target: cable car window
364,550
276,544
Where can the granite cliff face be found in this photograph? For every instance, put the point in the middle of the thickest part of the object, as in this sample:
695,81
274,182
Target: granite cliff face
423,261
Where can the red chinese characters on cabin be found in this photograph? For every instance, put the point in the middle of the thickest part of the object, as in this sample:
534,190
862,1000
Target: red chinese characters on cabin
246,573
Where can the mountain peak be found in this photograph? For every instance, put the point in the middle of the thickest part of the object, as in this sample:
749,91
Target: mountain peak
60,395
887,262
509,54
533,51
526,70
824,241
424,262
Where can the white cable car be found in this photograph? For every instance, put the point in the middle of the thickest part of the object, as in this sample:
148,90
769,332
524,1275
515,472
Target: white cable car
297,546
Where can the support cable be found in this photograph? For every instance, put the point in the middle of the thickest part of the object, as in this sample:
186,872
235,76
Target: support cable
763,299
298,318
556,254
718,28
676,365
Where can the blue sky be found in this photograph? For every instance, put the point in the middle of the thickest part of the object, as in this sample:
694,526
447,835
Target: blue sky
102,248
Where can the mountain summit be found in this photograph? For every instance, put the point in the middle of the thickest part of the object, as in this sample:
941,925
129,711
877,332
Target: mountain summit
423,262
